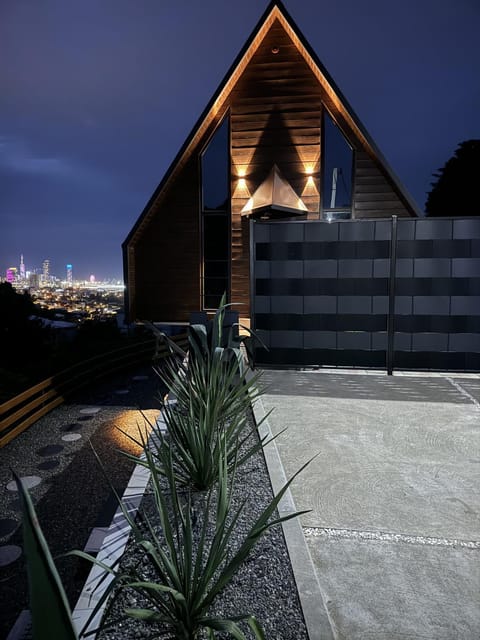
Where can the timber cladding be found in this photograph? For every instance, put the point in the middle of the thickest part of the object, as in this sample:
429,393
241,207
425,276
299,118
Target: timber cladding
274,98
167,254
275,112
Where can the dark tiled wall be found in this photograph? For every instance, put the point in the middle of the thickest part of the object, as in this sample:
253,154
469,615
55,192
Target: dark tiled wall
321,292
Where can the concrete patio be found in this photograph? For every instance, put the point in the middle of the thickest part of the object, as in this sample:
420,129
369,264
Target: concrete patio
394,526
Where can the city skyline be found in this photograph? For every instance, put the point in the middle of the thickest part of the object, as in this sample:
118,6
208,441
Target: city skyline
22,271
96,103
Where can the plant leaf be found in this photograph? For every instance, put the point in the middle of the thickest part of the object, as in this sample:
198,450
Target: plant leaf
51,617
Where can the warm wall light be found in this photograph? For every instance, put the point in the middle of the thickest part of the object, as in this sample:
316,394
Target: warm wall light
310,188
240,189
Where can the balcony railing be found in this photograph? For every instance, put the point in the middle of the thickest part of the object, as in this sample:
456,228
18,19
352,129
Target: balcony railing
18,413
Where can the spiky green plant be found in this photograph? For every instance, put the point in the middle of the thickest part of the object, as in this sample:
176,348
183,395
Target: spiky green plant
213,397
51,617
191,563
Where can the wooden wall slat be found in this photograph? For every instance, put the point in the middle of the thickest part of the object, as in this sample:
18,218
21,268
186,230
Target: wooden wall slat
275,116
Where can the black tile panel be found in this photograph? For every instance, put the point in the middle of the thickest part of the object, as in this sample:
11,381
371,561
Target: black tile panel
320,304
406,229
437,286
383,230
444,361
355,304
441,324
429,342
284,232
261,232
355,268
320,322
433,229
326,357
286,268
432,267
354,340
466,305
431,305
320,269
466,267
322,231
357,230
321,286
464,342
469,228
286,304
320,339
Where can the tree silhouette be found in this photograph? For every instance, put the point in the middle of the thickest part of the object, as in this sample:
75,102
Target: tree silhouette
456,190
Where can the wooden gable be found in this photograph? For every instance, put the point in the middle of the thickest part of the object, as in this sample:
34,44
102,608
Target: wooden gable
274,95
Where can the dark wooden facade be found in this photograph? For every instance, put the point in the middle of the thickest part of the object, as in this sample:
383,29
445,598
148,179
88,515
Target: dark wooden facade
274,96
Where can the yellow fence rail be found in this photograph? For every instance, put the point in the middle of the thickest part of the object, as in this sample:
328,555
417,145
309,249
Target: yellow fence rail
20,412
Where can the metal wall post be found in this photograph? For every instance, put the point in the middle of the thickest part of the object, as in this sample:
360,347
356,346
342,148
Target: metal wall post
391,297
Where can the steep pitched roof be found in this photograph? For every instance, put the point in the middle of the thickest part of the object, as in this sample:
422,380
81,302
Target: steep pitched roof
274,11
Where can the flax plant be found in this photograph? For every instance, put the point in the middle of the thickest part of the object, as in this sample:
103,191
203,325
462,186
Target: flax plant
213,397
190,560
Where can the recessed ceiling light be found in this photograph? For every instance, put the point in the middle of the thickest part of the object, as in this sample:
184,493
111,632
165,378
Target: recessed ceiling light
275,50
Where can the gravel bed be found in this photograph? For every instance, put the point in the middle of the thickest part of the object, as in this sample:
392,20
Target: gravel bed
264,586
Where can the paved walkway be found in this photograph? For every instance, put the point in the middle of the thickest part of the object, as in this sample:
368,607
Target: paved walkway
394,526
74,502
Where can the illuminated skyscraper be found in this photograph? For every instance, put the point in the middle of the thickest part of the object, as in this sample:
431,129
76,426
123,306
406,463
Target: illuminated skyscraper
11,274
69,274
22,268
45,270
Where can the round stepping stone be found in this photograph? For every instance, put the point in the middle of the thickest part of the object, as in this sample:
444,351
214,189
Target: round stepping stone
48,464
71,426
85,418
50,450
28,481
7,526
122,392
71,437
9,553
90,410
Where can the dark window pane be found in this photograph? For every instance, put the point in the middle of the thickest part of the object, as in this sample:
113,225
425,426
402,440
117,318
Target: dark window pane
215,286
217,269
215,170
337,169
212,302
215,237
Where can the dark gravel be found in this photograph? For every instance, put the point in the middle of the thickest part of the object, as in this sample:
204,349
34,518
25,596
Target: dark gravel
264,587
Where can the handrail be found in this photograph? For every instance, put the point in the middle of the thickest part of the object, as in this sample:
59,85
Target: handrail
20,412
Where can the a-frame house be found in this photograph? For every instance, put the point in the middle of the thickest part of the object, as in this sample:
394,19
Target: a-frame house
277,139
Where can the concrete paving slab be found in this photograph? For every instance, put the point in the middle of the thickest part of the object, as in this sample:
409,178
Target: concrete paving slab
388,466
394,530
382,591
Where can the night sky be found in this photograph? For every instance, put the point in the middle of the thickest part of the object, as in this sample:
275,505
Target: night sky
97,96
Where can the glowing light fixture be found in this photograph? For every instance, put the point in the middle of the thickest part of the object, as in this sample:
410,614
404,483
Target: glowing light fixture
275,196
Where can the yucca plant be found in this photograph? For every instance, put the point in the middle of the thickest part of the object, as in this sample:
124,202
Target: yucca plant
213,397
190,562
